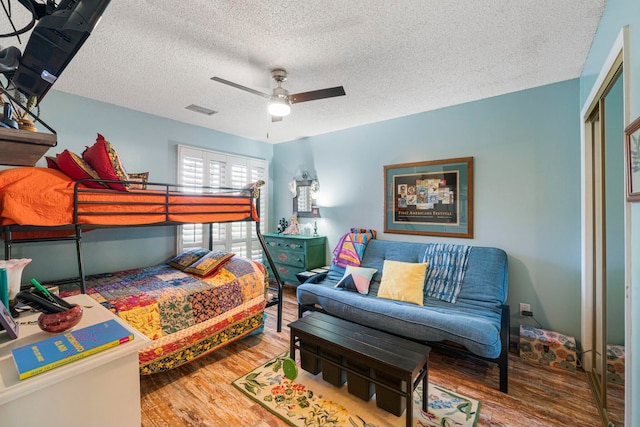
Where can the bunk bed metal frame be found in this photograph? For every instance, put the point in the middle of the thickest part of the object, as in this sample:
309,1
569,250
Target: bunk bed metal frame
170,192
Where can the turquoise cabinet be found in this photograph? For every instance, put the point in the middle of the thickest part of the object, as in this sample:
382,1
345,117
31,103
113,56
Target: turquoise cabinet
293,253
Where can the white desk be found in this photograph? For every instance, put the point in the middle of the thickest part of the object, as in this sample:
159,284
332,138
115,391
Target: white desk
100,390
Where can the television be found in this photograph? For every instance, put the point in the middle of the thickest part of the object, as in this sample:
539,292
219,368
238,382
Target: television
54,41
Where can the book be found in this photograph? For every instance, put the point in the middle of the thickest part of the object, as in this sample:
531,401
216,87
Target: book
67,347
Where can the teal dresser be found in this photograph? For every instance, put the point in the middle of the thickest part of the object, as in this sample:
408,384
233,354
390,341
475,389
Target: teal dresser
293,253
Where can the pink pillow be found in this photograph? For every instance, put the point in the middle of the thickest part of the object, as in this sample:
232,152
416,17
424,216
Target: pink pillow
103,158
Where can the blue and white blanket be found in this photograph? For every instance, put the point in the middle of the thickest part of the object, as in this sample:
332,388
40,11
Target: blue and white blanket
447,264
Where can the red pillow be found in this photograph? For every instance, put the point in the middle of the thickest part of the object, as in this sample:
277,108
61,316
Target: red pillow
51,163
76,168
103,158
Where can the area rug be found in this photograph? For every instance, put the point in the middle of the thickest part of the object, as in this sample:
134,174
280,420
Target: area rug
309,401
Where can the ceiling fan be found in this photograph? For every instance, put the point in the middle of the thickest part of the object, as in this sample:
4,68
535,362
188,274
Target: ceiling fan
280,100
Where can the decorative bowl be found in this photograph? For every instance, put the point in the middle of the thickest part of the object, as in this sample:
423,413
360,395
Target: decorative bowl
60,322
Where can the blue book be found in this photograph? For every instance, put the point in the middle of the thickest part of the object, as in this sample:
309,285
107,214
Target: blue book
42,356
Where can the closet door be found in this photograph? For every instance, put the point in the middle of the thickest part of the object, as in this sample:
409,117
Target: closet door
605,145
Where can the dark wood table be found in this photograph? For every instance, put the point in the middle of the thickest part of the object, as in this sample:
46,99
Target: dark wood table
367,359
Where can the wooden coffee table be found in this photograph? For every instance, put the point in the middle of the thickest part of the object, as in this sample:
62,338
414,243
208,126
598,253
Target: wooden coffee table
367,359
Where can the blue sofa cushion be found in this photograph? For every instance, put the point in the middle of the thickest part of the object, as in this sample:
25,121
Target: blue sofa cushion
473,321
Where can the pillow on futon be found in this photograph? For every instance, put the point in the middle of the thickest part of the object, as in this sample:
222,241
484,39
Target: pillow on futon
142,177
403,281
356,279
76,168
210,263
103,158
186,258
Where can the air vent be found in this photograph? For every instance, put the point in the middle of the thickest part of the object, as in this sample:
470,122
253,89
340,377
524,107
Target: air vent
201,110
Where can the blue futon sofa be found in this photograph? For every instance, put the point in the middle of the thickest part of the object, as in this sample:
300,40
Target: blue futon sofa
477,324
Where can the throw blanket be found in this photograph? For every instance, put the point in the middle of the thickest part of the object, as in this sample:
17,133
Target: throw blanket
447,264
351,246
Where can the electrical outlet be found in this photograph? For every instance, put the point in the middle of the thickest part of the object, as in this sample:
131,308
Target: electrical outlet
524,307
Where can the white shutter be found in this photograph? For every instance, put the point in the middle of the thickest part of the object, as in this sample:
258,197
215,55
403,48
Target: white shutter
218,178
198,167
191,174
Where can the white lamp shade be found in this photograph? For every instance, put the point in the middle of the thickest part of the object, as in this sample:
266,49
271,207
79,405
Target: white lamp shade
279,107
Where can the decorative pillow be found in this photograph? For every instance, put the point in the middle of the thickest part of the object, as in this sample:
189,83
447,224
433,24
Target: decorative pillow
186,258
51,163
76,168
403,281
210,263
142,177
103,158
356,279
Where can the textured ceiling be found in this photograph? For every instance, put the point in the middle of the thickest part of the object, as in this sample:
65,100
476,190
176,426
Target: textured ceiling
393,58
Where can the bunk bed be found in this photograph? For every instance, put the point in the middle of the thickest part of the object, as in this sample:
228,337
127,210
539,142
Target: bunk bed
42,204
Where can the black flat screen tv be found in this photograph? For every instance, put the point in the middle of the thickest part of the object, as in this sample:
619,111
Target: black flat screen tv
55,40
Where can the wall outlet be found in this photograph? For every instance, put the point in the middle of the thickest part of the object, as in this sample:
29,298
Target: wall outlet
525,308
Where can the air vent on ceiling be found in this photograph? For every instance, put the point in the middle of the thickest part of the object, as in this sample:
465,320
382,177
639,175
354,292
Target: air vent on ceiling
201,110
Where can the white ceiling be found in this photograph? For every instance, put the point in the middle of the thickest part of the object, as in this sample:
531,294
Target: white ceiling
393,58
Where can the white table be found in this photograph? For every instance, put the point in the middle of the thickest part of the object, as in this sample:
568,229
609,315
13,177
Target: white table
100,390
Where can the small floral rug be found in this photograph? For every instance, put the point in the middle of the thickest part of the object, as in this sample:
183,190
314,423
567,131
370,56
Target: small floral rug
309,401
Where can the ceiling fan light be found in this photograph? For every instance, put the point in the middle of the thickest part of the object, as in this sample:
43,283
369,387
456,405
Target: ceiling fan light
279,107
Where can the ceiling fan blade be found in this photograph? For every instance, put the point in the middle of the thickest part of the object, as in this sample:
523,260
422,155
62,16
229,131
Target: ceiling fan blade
237,86
317,94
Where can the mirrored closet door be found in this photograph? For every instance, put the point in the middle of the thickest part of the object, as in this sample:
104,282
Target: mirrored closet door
605,142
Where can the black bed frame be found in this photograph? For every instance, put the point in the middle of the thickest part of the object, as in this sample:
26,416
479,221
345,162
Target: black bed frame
173,190
502,360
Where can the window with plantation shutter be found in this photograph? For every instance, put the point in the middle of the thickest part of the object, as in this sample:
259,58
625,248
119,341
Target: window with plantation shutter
197,167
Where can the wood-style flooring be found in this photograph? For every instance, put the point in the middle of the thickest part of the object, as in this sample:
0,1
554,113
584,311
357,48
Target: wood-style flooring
200,393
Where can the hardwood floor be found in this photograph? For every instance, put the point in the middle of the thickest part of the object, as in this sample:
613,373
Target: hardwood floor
201,394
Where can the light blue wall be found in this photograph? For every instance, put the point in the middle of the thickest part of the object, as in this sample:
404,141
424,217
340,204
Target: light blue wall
526,149
144,143
617,14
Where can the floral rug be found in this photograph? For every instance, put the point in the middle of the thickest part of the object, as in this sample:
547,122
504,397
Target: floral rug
309,401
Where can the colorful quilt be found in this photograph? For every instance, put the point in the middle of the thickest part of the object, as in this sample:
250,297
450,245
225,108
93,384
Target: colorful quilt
351,246
186,316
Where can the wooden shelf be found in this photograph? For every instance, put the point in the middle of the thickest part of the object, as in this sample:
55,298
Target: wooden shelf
24,148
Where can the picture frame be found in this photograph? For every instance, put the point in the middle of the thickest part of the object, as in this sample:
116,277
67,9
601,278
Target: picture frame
430,198
632,154
8,322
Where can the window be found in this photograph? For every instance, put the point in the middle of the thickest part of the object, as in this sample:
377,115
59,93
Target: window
197,168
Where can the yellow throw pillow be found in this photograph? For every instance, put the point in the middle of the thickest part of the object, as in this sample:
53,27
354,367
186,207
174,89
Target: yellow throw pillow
403,281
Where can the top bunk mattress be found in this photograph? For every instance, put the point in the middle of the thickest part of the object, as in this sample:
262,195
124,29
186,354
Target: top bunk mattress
45,198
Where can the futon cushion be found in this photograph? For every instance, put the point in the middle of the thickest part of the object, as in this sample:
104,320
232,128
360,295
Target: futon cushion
104,159
403,281
187,257
76,168
209,263
357,279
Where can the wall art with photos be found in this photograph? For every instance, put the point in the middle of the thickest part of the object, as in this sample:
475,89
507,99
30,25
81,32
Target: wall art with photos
632,145
432,198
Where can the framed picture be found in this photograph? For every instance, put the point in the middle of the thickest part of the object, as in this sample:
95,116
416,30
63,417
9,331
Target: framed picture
7,321
432,198
632,151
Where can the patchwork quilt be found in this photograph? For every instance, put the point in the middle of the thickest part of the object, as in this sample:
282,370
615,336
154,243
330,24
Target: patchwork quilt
186,316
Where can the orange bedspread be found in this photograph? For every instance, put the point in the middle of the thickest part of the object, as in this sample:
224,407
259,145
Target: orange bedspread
44,197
